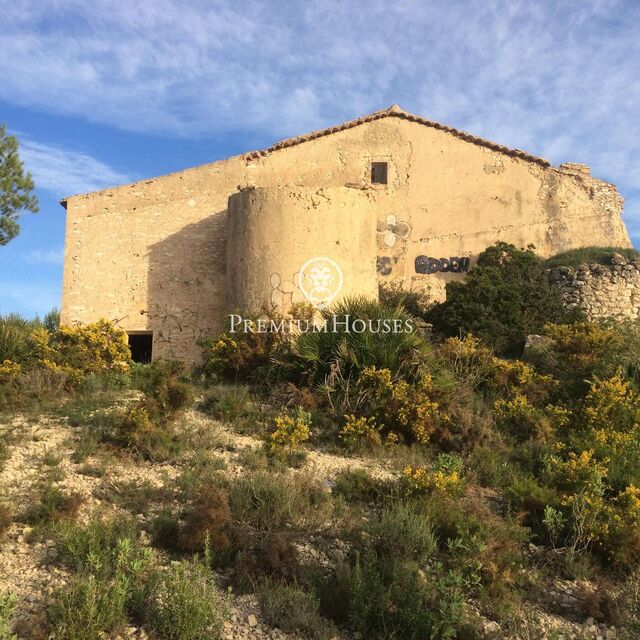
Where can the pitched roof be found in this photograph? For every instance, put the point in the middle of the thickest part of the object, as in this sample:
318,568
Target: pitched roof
395,111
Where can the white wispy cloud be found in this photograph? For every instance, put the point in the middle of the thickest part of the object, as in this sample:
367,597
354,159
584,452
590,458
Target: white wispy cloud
53,257
559,79
29,298
64,171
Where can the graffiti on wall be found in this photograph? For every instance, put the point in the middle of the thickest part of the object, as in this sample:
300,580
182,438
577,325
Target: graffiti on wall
424,264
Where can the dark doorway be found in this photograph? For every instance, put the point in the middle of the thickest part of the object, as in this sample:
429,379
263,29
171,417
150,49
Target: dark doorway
141,345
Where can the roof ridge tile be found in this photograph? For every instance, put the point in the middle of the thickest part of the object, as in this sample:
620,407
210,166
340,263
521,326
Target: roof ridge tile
397,112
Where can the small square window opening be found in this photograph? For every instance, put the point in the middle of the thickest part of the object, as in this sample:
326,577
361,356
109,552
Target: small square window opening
141,346
378,173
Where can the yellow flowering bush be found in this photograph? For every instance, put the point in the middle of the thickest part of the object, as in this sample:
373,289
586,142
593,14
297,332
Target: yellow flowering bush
9,371
290,430
92,348
524,420
443,476
406,410
358,432
578,472
611,405
134,425
611,428
72,377
477,367
622,545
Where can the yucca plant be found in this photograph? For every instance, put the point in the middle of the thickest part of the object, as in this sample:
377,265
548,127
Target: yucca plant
344,350
15,342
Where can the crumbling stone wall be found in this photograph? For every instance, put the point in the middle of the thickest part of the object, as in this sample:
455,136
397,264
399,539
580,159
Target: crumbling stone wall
601,291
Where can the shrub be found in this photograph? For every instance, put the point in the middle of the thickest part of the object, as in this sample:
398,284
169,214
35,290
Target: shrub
356,485
9,372
6,518
186,604
166,388
477,368
7,609
112,582
393,295
506,297
293,610
134,425
403,529
444,475
227,401
88,608
53,505
524,421
395,599
334,357
207,518
270,512
268,502
15,339
403,411
630,606
289,431
244,355
576,352
360,432
51,320
90,348
82,548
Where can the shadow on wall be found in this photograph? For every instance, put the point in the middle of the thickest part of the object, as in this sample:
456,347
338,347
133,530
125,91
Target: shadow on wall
187,287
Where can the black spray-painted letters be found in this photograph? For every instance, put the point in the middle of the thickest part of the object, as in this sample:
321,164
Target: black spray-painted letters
424,264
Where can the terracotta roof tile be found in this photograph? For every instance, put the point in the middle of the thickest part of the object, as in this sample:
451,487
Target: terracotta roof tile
396,112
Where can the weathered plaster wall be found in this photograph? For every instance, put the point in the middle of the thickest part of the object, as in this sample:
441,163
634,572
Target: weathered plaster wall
601,291
153,254
274,231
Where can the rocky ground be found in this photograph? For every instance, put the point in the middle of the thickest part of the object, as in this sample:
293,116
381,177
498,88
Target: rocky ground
47,446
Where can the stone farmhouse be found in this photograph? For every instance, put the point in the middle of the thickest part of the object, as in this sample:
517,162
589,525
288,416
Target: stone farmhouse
389,197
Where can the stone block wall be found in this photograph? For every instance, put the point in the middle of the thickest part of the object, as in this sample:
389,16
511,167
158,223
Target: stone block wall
601,291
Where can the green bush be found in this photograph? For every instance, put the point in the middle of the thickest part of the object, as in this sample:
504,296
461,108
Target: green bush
294,610
329,357
357,485
391,598
402,528
7,609
576,352
265,502
506,297
15,339
112,583
87,609
52,505
186,604
166,388
393,295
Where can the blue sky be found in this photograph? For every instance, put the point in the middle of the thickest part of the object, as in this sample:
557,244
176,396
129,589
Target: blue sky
105,92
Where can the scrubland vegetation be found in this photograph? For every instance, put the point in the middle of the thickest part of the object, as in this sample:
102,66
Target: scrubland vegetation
407,485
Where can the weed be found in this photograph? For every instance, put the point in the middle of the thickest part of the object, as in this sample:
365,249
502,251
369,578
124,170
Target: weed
7,609
293,610
186,604
53,505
